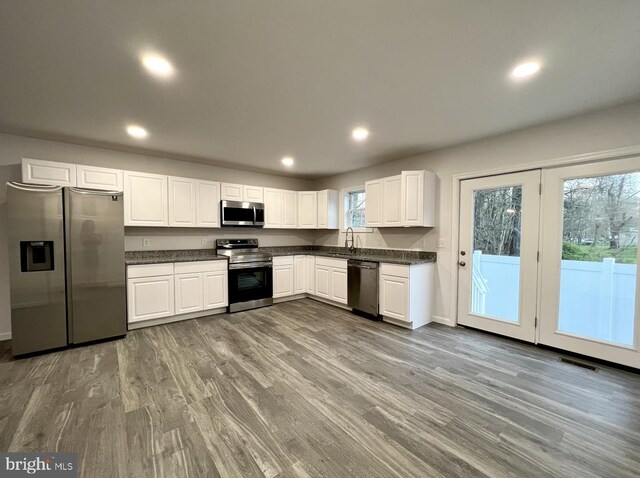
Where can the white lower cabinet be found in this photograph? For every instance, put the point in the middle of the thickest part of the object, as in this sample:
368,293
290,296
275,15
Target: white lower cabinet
283,276
331,279
299,274
339,285
215,289
156,291
150,292
310,272
323,281
406,293
189,293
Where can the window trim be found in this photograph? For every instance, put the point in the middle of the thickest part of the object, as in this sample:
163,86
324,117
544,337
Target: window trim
343,209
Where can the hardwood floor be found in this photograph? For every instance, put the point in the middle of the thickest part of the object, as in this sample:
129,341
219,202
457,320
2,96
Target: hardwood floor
305,389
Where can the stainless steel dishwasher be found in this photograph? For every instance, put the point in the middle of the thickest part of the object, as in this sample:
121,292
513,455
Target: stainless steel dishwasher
362,280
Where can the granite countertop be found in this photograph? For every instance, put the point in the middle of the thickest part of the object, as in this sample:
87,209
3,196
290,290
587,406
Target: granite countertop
132,258
390,256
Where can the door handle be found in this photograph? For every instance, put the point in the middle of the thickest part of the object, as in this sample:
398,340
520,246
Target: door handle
462,263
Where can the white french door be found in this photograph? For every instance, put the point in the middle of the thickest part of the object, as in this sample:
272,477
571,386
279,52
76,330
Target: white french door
497,262
589,294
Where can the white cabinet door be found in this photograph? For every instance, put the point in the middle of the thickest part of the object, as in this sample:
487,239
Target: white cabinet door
392,205
323,281
328,209
310,282
339,285
282,280
93,177
150,298
215,290
231,192
273,208
289,208
418,198
188,288
394,297
145,199
208,203
182,202
374,202
37,171
300,274
253,194
307,210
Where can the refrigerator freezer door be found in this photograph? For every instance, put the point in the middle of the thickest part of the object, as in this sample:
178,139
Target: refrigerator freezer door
37,267
95,264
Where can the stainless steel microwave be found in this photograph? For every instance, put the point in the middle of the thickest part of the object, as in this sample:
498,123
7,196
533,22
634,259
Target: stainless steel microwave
247,214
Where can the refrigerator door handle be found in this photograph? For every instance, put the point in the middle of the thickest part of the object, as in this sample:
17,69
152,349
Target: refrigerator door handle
95,192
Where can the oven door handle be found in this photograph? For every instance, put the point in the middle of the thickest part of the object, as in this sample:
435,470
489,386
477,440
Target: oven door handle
251,265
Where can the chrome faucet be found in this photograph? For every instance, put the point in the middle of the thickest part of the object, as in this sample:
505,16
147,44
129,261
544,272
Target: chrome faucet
352,246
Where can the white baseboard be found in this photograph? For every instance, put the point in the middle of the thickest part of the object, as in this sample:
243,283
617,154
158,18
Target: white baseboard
442,320
5,336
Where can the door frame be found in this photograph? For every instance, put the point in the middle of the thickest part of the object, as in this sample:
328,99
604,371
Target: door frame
610,154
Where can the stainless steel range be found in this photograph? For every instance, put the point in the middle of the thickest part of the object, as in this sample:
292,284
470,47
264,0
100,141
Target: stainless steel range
250,274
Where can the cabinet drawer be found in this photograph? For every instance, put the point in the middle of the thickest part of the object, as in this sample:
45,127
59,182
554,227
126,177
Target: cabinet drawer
200,266
331,262
396,270
149,270
283,261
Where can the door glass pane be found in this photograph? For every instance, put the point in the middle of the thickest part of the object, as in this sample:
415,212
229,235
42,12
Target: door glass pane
599,257
495,282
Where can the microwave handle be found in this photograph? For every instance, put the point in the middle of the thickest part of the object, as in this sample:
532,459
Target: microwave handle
255,215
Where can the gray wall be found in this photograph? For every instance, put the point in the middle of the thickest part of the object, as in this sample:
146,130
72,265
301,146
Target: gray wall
611,128
13,148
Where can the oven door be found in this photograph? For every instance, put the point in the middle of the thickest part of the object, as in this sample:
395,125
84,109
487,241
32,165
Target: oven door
250,283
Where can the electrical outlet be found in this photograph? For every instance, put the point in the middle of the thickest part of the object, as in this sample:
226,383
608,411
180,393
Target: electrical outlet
204,241
146,242
420,243
441,243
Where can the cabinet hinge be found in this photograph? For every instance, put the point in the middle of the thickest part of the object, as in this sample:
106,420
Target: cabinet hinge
538,257
540,189
536,322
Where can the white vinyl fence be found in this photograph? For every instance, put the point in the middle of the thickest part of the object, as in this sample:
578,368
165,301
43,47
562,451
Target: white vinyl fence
597,298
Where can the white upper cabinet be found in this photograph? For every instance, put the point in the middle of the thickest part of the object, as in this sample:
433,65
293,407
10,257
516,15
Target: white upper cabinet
418,198
273,202
328,209
252,194
182,202
392,206
281,209
93,177
307,210
405,200
289,210
241,192
208,203
373,203
231,192
36,171
145,199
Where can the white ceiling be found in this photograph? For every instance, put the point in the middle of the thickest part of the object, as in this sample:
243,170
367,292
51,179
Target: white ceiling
257,80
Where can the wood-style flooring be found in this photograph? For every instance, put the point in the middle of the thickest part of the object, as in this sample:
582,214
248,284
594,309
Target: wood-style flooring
306,389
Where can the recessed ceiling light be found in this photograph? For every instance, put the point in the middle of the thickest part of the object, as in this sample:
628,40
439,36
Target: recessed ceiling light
136,131
525,70
157,65
288,161
360,134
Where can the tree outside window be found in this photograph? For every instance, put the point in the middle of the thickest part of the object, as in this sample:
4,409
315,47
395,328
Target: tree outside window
355,202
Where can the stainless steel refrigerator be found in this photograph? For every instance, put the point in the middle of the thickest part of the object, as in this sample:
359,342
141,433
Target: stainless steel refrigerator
66,257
